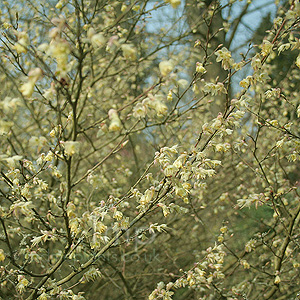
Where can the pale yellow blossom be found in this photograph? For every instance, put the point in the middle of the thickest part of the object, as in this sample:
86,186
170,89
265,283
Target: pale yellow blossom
170,170
22,283
22,43
136,7
245,264
147,196
9,105
97,39
6,25
174,3
224,55
59,5
139,111
160,107
38,142
123,8
170,96
166,67
129,52
200,68
5,127
277,279
298,61
43,296
266,48
27,88
71,147
2,255
181,192
59,49
115,124
12,160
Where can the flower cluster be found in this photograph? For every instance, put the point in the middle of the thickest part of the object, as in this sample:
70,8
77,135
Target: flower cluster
27,88
203,274
22,43
59,48
224,56
174,3
214,88
166,67
115,124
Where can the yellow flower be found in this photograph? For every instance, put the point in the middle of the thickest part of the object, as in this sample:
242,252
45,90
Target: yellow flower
6,25
170,170
2,255
245,264
97,39
174,3
59,5
118,215
12,161
38,142
224,55
59,49
136,7
129,52
170,96
298,61
100,227
22,43
27,88
71,147
160,107
147,196
224,229
23,282
43,296
139,111
115,124
246,82
178,163
166,67
277,279
266,48
181,192
200,68
123,8
5,127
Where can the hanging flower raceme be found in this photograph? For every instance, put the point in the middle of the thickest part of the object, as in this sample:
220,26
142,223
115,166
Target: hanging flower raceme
27,88
129,52
224,55
59,48
97,39
115,124
139,111
174,3
22,43
71,147
199,68
156,103
166,67
266,48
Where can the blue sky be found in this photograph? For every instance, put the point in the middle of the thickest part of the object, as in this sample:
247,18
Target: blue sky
250,22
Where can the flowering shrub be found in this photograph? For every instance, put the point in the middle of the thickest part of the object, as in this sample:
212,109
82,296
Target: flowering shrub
145,159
